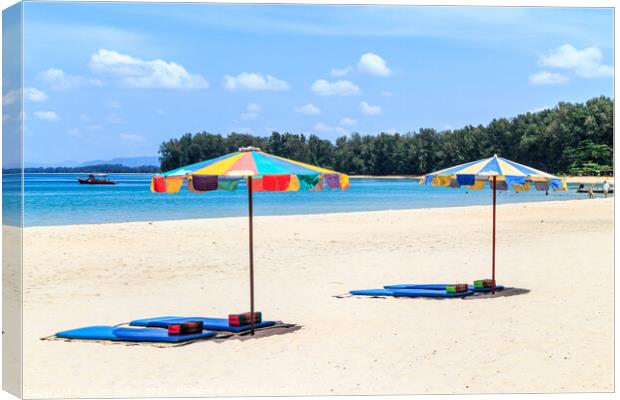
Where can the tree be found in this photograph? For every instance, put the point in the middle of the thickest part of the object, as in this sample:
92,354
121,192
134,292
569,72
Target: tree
571,137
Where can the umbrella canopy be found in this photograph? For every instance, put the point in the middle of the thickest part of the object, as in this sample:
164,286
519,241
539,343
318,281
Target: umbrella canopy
252,162
502,174
262,172
507,173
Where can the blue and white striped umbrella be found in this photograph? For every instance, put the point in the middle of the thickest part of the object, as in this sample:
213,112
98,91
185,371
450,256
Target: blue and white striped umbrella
501,174
507,173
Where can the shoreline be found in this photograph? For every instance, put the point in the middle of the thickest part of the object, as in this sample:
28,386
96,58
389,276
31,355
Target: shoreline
569,179
318,215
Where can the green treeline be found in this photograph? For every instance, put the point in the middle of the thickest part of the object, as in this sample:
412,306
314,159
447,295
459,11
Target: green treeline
567,139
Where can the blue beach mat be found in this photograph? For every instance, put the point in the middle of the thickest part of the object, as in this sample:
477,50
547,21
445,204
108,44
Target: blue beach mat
373,292
158,335
130,334
90,332
429,293
409,293
437,286
214,324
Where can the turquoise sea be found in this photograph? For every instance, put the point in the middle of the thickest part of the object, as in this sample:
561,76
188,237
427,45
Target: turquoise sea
58,199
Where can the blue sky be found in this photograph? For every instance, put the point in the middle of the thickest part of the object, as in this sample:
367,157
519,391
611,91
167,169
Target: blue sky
107,80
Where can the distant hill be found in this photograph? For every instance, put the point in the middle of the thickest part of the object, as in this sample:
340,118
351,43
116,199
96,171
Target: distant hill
32,164
104,168
124,161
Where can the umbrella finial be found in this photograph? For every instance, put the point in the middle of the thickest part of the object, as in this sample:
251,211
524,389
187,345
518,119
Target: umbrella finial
249,148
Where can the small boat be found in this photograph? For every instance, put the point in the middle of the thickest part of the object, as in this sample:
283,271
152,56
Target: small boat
96,179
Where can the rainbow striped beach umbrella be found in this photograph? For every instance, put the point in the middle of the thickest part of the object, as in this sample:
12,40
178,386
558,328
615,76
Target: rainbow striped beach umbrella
500,174
261,172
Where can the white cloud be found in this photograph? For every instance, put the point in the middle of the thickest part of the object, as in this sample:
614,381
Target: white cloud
367,109
346,121
131,137
58,79
113,104
324,128
136,73
547,78
114,118
31,94
249,115
253,107
160,112
74,132
586,63
96,127
46,115
308,109
85,117
386,93
252,111
340,88
340,71
254,81
34,94
373,64
242,129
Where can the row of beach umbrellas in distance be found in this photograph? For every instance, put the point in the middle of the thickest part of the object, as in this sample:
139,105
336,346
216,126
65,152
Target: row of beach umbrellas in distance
267,172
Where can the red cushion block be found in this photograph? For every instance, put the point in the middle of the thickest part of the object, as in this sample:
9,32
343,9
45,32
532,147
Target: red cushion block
185,328
244,319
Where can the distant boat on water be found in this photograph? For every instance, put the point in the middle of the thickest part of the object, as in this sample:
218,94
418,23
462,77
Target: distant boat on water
96,179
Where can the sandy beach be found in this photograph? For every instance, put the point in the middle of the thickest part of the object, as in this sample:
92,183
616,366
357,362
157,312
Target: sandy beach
556,338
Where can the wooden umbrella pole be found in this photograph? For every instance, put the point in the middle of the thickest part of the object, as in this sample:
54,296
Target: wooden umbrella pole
251,256
494,202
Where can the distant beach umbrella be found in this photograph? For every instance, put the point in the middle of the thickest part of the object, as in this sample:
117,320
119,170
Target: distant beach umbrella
262,172
501,174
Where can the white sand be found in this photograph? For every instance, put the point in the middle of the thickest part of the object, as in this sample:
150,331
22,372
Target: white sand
558,337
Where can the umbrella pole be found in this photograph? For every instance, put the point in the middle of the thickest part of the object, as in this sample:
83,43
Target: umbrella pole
494,202
251,256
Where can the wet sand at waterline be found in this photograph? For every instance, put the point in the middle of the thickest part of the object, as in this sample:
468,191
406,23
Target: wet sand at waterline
556,338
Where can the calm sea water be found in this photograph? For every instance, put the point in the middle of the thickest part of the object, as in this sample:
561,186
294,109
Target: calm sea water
57,199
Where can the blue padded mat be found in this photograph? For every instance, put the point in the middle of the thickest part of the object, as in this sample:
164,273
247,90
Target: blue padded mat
409,293
429,293
373,292
214,324
157,335
436,286
90,332
428,286
129,334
